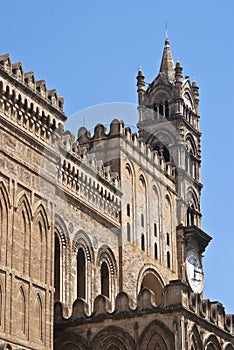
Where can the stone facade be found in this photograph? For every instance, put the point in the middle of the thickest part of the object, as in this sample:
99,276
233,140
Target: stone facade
97,232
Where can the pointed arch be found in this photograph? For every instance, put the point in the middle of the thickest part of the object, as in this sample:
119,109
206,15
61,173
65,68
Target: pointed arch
21,324
195,339
167,231
57,267
155,213
107,266
106,254
156,335
193,207
113,337
81,274
81,239
167,216
39,245
40,210
4,219
22,199
150,278
83,255
62,260
212,343
21,235
38,322
142,211
128,187
189,140
66,341
192,198
228,346
62,231
4,194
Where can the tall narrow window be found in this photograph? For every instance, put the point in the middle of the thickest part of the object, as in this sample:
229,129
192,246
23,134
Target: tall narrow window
105,280
161,111
142,220
128,210
155,251
168,260
128,232
56,267
155,230
166,110
168,239
38,318
21,310
142,242
81,274
40,231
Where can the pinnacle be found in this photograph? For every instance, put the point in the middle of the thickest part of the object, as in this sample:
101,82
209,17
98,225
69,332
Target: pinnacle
167,64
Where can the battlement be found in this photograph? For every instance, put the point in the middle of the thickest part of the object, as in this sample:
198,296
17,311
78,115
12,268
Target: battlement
28,101
118,129
176,296
86,177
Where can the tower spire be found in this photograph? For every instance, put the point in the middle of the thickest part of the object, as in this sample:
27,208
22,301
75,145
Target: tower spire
166,31
167,64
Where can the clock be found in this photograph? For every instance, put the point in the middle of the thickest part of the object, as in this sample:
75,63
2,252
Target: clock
194,271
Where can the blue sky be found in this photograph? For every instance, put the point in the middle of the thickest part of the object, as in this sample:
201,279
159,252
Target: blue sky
90,52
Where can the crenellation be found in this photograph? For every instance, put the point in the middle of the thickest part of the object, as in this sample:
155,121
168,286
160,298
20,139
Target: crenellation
15,71
146,306
105,226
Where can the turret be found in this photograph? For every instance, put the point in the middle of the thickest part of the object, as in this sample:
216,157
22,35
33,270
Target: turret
178,75
195,91
140,85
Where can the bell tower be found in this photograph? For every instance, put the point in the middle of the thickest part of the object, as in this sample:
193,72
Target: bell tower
169,123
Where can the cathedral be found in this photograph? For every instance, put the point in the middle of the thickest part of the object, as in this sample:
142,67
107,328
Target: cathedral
101,239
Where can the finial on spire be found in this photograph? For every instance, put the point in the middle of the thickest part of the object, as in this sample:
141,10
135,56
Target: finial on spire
166,31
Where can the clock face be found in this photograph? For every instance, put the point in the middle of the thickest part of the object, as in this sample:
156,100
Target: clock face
194,271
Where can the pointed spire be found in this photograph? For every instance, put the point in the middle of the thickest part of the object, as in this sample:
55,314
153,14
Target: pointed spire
167,64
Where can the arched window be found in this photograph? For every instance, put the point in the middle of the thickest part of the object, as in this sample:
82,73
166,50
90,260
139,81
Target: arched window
168,260
128,210
81,274
190,215
56,267
38,318
166,110
104,280
155,251
168,239
155,230
22,311
39,248
142,220
142,242
161,111
128,232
